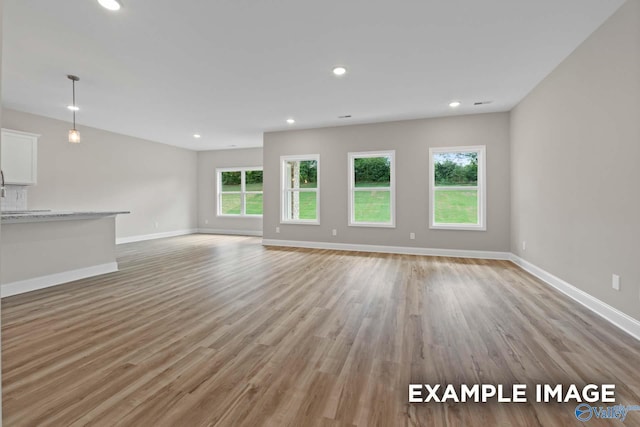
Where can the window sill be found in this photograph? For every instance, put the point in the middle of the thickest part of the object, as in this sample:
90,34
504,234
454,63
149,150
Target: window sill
460,227
237,216
301,222
371,224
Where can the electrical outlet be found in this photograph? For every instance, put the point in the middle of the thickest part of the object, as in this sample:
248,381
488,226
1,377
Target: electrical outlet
157,224
615,282
412,236
334,232
524,245
277,229
206,221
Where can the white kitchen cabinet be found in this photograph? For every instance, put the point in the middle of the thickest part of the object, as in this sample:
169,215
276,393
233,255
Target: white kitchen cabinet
19,157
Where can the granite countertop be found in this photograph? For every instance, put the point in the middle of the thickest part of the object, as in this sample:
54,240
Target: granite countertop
47,215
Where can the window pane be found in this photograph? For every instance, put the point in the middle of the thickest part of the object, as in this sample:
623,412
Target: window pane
455,168
300,205
308,205
372,206
254,204
231,204
253,180
230,181
302,174
372,171
456,206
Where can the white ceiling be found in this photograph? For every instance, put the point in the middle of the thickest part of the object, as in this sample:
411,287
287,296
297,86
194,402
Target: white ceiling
232,69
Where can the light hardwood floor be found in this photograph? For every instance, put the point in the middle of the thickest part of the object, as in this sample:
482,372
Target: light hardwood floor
212,330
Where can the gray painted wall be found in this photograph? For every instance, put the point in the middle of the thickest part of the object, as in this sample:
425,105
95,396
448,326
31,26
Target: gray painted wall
575,163
109,171
208,161
411,139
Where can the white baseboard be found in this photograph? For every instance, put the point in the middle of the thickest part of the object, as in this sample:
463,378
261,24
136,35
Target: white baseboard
231,232
613,315
140,238
22,286
389,249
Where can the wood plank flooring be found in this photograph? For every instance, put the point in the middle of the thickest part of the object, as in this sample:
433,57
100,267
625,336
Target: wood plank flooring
219,331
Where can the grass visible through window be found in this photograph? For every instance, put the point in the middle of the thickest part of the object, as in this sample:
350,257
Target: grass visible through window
372,206
254,204
231,204
456,206
452,206
307,205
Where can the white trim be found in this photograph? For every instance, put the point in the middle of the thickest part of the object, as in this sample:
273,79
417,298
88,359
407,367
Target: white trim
391,188
284,189
240,215
604,310
22,133
28,285
140,238
230,232
457,253
481,188
301,222
373,224
466,227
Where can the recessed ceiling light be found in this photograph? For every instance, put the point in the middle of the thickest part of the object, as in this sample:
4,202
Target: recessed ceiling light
339,71
73,107
291,121
454,104
197,135
110,4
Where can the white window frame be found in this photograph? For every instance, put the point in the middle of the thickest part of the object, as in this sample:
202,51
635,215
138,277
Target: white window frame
284,189
243,192
392,188
481,188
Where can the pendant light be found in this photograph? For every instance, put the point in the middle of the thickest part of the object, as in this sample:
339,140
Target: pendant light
74,135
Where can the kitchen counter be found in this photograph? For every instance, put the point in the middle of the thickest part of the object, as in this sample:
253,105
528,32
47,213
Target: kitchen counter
42,248
9,217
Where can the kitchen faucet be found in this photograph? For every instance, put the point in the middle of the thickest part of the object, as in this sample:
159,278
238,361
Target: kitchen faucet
3,191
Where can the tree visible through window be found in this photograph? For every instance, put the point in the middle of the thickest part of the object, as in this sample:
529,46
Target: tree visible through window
457,187
240,191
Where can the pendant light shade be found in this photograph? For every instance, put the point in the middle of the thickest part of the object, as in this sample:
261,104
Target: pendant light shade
74,135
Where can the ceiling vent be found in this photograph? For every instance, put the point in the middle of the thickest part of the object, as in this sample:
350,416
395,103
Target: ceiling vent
482,102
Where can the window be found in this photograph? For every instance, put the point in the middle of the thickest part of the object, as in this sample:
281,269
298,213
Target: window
457,188
240,191
372,189
300,197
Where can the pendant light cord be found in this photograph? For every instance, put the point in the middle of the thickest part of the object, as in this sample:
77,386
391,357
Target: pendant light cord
73,82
